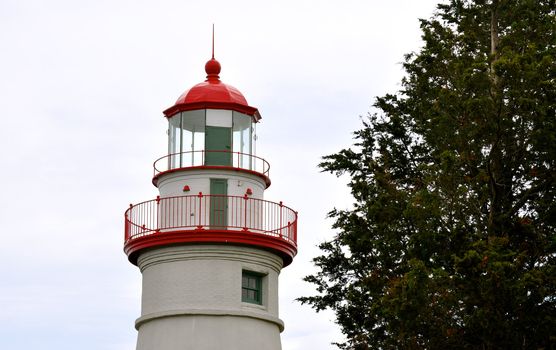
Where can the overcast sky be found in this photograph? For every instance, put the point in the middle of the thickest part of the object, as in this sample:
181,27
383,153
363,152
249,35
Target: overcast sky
82,88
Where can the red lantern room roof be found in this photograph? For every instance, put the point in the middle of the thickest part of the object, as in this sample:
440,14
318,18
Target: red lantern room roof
213,94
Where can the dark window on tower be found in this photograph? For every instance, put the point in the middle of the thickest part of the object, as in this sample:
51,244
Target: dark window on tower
251,287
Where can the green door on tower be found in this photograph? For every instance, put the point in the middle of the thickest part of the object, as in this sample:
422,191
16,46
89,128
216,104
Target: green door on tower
218,146
218,203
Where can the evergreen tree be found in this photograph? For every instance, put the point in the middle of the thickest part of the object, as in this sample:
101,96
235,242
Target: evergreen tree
451,241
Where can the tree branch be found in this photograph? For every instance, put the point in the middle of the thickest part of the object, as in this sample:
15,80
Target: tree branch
527,195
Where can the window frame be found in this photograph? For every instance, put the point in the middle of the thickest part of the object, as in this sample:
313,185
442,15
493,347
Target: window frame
258,289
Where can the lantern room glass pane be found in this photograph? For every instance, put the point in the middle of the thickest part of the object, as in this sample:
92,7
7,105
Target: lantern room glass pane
193,124
186,139
242,131
174,141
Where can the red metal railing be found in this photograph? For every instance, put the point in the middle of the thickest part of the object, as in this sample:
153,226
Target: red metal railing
199,158
210,212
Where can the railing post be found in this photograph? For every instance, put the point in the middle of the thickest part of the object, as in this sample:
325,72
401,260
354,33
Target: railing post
295,228
280,224
127,234
289,230
245,212
199,225
157,218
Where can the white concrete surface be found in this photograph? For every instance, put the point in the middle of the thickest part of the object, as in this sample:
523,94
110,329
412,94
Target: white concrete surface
192,299
171,184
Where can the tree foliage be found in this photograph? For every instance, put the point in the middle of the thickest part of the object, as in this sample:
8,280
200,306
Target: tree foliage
451,241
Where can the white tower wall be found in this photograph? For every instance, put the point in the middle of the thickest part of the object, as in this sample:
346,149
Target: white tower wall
192,299
172,184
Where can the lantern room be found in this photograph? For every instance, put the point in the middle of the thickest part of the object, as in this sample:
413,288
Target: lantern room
212,124
211,137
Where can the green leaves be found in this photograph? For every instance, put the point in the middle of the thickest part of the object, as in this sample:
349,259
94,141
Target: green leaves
451,240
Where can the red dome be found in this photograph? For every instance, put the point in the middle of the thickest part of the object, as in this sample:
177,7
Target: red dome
214,94
209,91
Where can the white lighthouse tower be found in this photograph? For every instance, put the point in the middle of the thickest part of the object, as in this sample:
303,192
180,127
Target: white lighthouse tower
210,247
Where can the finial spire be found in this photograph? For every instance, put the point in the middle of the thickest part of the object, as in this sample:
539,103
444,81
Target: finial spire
213,66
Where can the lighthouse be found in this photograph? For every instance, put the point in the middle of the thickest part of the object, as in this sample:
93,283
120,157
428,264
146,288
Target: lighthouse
210,247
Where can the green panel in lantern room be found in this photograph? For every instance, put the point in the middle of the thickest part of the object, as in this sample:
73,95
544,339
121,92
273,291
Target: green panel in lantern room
218,146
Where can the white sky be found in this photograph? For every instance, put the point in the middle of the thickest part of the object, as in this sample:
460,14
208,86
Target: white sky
82,88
